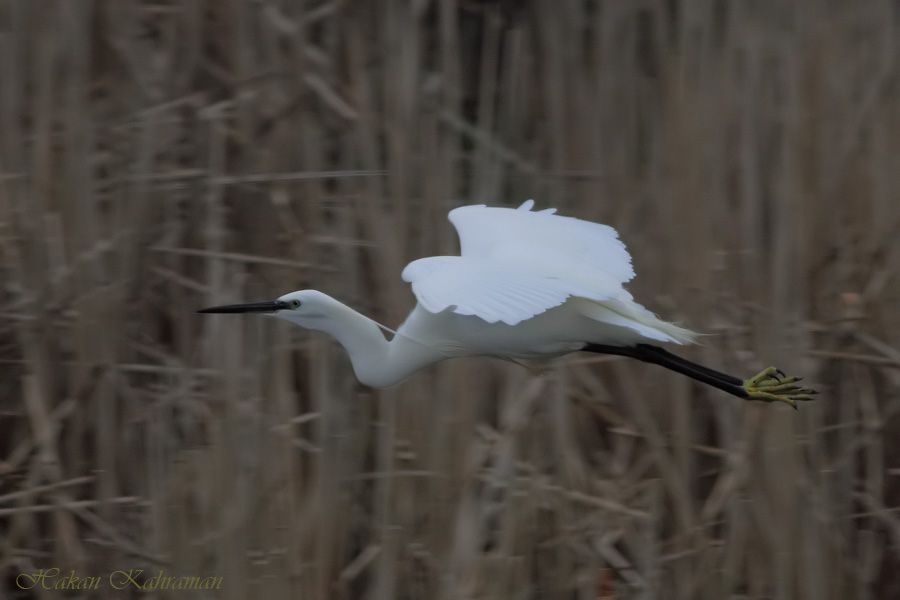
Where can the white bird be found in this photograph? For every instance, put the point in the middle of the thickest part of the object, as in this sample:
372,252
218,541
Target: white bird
527,284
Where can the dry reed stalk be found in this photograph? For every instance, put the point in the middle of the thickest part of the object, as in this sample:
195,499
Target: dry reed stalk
160,156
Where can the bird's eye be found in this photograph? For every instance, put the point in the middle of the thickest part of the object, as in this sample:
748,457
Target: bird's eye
295,304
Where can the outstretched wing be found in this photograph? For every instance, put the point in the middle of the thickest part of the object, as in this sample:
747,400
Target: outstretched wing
541,238
516,264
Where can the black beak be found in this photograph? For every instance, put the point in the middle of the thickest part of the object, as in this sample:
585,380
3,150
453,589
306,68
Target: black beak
253,307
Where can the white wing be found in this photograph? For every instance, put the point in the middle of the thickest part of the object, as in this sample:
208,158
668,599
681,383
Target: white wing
516,264
541,238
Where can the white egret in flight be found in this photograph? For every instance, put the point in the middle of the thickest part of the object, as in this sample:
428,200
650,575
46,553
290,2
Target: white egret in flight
527,284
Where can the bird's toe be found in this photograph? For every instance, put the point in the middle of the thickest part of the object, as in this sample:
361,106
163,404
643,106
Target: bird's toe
769,374
773,385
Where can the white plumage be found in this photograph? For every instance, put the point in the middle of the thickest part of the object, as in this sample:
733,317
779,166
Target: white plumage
527,284
516,264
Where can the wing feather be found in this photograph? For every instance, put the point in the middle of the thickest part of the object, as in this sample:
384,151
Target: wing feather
518,263
542,238
487,289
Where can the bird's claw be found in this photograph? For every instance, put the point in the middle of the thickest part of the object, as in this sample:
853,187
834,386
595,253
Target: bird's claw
772,385
767,374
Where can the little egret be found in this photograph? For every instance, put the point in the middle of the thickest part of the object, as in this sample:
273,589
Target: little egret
527,284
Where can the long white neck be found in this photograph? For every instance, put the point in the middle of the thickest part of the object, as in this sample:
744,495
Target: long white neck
376,361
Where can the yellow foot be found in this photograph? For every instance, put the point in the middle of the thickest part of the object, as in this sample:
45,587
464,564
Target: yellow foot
772,385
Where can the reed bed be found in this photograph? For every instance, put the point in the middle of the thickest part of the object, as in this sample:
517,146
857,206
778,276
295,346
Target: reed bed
159,156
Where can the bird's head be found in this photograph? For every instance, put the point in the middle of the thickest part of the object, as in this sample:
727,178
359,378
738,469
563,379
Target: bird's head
303,307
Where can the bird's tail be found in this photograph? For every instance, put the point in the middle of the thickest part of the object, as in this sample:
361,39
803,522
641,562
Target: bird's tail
631,315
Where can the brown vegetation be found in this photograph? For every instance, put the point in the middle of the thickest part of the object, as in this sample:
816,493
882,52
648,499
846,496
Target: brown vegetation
161,155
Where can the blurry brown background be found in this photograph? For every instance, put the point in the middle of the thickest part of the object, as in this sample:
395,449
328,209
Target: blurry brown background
160,156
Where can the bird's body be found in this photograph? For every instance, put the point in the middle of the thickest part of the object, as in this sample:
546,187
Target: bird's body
527,285
554,332
425,338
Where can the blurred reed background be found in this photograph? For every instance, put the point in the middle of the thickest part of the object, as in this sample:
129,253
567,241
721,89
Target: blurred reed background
159,156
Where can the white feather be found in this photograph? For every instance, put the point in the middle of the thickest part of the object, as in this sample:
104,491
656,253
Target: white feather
528,284
517,264
494,290
541,238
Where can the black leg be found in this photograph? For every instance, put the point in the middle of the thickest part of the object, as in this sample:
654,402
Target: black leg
693,365
663,358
